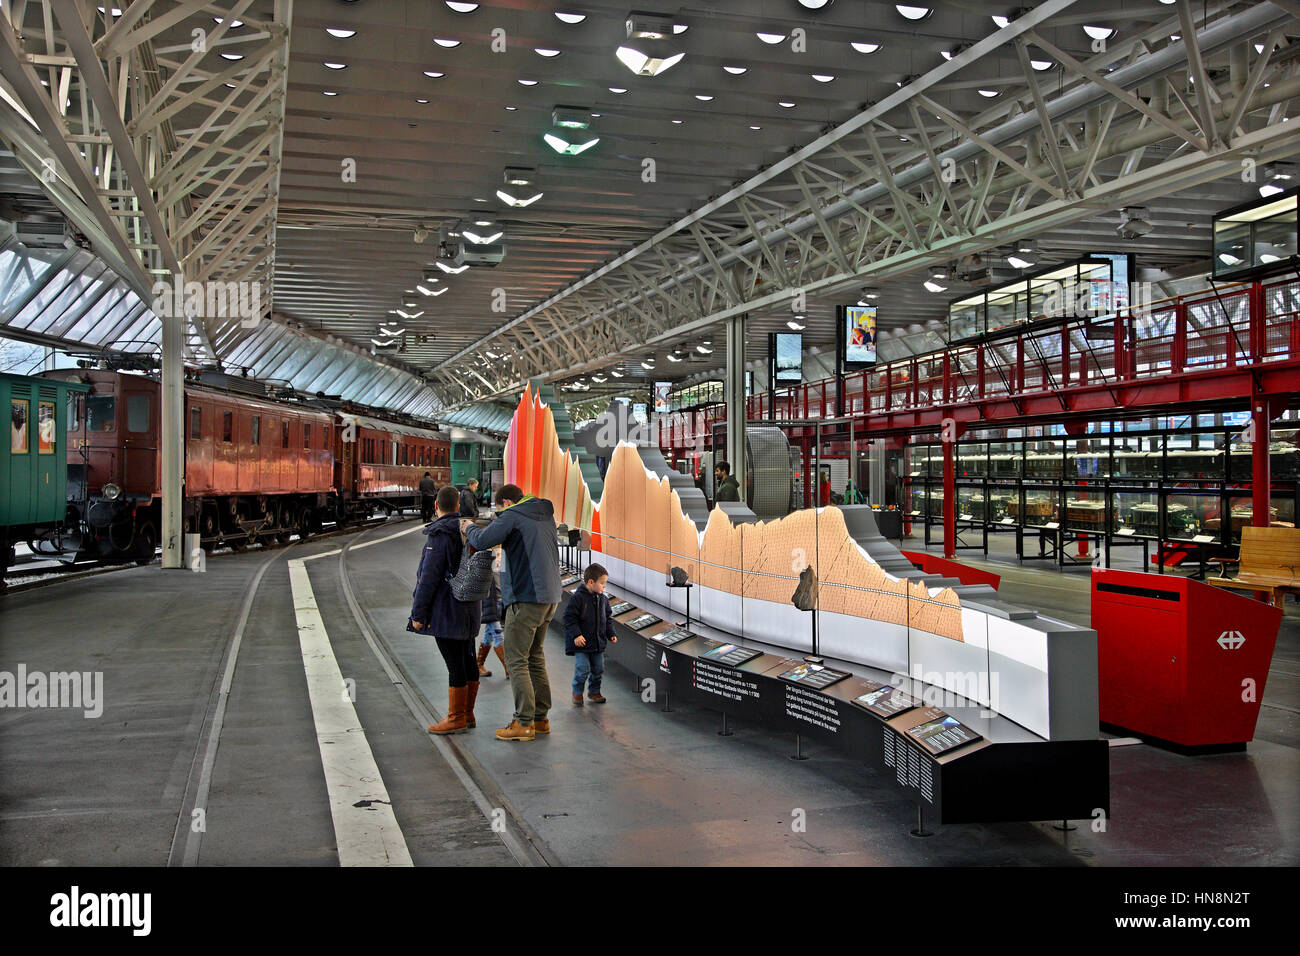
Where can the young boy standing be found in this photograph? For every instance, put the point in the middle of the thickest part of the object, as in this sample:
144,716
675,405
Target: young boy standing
588,627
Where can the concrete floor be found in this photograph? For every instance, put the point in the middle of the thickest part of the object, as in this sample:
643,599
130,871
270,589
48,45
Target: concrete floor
619,784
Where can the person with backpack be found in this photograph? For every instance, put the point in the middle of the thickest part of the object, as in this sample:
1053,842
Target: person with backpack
437,612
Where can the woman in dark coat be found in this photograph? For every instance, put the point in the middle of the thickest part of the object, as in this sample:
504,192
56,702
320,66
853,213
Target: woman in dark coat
451,623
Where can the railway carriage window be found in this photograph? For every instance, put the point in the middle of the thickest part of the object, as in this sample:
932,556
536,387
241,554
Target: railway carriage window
100,412
196,422
19,425
306,435
45,431
227,427
284,434
256,433
76,405
137,413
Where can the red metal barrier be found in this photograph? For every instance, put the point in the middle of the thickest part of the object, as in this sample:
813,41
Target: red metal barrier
933,564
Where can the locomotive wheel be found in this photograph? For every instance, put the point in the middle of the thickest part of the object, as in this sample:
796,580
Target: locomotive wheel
303,522
145,543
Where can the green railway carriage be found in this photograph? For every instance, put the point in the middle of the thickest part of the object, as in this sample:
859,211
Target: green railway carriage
34,460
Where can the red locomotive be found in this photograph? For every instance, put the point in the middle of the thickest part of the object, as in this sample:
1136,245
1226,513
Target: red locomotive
257,467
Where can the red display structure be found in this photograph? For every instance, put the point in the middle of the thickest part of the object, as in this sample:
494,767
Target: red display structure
1180,661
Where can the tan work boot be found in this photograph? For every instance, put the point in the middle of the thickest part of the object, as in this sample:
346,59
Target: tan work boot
515,731
454,722
501,656
483,650
577,700
542,726
471,693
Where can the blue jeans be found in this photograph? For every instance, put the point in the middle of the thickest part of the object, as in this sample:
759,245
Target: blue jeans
493,634
588,668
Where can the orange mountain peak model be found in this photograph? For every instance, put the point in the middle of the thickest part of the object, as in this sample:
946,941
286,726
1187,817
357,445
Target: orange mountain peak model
640,519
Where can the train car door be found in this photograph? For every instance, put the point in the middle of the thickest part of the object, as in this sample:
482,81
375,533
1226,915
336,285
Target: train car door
140,436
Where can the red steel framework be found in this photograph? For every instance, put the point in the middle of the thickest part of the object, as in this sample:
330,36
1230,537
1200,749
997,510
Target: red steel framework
1232,345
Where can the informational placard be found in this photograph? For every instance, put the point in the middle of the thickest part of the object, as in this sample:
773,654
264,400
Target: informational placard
732,655
642,622
740,690
622,607
815,676
674,635
941,732
885,700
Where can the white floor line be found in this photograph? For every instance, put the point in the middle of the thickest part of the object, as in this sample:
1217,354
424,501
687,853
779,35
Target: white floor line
364,825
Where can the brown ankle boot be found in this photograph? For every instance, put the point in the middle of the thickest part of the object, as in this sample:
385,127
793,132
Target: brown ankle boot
483,650
501,656
454,722
471,693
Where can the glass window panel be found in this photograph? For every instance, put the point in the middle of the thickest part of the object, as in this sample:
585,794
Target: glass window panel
196,422
1137,512
137,413
100,412
1186,515
1043,458
228,427
1199,455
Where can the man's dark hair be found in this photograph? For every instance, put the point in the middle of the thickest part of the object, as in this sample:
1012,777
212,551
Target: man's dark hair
723,466
427,475
594,572
448,499
511,493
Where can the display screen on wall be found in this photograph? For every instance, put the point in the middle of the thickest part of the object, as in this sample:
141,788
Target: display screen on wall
859,334
639,413
789,358
661,397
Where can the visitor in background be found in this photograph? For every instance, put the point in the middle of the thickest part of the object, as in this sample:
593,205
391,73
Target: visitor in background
824,489
725,487
469,499
428,488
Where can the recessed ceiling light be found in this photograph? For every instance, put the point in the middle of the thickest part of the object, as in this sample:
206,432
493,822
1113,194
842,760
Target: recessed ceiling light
527,82
1041,65
421,100
912,13
232,56
1099,33
457,7
512,108
334,65
703,97
989,93
865,47
446,43
433,74
570,17
771,38
932,286
822,77
756,127
617,89
788,104
328,93
677,122
797,326
340,32
736,70
545,51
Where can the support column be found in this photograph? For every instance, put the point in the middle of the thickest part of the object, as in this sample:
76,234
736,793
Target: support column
735,395
171,446
1261,479
949,500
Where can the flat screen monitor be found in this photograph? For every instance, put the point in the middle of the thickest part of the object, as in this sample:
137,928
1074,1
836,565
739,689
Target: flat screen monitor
639,413
789,358
859,335
661,397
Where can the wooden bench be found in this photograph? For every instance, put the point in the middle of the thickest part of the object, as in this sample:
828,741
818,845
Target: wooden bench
1270,562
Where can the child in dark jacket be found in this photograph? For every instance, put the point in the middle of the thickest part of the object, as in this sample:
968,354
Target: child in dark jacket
493,634
588,627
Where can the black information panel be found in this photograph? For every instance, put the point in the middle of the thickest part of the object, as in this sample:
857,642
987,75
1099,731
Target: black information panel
732,655
642,622
734,692
674,635
885,700
811,710
570,579
815,676
940,733
622,607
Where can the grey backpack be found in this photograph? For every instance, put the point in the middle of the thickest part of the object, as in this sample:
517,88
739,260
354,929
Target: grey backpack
472,581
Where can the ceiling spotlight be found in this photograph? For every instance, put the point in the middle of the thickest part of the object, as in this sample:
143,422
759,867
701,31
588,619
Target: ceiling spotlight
328,93
448,44
870,292
409,315
674,357
425,290
546,51
527,82
736,70
704,350
912,13
461,7
771,39
814,4
390,333
1000,21
649,49
567,136
1100,33
421,233
599,379
796,326
989,93
480,239
570,17
647,366
703,97
822,77
1041,65
865,47
430,277
520,187
433,74
410,302
788,104
383,343
232,56
618,90
616,373
340,33
933,286
454,270
1134,222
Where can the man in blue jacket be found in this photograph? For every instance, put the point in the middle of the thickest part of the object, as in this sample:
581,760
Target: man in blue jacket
530,591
